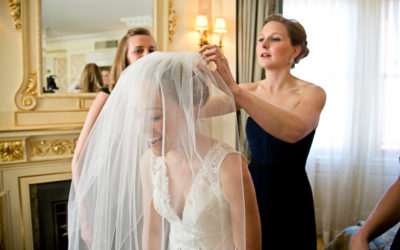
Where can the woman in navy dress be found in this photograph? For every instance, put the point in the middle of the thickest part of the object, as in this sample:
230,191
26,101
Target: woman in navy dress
284,113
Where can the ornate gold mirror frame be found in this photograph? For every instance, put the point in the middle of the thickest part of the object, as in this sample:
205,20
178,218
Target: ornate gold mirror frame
39,109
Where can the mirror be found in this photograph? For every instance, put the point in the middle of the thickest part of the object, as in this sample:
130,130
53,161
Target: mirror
75,33
34,107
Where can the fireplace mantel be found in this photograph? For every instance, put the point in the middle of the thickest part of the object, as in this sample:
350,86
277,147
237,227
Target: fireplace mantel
29,156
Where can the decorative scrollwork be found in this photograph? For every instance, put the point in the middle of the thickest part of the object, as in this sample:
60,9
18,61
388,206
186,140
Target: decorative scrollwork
15,12
26,97
56,147
172,18
12,150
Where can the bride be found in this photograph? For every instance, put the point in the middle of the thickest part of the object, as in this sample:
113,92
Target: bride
152,175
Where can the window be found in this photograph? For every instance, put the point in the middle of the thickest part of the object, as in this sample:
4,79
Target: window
355,57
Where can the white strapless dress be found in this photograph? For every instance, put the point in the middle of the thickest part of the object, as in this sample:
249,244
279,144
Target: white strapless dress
206,221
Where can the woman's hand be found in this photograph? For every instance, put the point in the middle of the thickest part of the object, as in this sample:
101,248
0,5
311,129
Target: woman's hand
358,242
211,53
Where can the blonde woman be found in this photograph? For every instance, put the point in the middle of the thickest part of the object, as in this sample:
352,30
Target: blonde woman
91,80
136,43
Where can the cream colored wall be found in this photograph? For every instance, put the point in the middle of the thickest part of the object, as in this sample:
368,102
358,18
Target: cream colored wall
186,38
10,65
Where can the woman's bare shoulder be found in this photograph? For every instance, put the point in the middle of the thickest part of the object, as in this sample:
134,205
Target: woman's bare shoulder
311,89
250,86
233,170
145,159
317,91
233,159
100,98
309,85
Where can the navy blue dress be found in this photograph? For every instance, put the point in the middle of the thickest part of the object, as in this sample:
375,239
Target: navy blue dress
105,90
284,194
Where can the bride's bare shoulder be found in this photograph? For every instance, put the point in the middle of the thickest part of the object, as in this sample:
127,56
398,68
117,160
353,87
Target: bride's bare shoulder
232,161
144,160
233,170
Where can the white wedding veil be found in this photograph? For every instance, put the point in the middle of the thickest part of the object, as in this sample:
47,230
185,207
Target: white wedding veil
153,173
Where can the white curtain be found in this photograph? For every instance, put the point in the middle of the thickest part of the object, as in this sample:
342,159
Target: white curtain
355,56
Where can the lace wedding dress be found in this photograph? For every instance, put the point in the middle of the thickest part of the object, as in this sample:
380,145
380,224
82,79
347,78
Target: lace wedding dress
205,222
119,190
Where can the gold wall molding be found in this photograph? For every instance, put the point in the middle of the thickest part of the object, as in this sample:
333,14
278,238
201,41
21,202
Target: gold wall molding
12,150
55,147
26,97
26,146
172,18
15,12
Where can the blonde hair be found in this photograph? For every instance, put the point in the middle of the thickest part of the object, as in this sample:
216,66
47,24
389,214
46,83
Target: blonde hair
90,80
120,61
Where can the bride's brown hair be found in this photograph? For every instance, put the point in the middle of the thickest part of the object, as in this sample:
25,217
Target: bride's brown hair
200,88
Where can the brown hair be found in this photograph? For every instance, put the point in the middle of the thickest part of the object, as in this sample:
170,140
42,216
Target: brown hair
120,61
90,80
200,88
296,33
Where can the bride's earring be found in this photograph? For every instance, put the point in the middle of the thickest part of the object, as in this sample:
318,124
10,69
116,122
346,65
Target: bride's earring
291,60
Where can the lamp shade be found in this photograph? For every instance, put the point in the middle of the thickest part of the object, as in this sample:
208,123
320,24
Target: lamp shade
201,23
220,25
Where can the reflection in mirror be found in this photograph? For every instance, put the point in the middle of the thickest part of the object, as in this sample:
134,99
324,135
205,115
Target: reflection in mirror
91,80
76,33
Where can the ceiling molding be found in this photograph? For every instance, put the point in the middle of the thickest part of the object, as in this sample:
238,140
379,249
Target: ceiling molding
138,21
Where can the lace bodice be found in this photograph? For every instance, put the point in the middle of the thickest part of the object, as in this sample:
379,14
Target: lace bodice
205,221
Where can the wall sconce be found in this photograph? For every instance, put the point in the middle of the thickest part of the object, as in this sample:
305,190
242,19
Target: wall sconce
202,26
220,28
